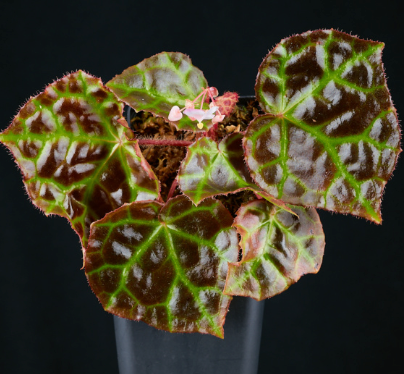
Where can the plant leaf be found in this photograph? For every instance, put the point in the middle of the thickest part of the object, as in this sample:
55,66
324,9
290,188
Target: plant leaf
332,138
160,82
278,248
164,265
227,102
73,153
211,169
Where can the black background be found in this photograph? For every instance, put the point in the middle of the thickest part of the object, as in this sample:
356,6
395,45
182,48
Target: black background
346,319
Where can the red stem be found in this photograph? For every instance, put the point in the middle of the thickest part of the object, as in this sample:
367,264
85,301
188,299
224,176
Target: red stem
259,197
165,142
172,189
203,99
212,133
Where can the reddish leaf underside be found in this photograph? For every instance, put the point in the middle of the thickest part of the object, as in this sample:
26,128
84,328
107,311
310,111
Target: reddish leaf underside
160,82
331,138
278,248
227,102
73,153
164,265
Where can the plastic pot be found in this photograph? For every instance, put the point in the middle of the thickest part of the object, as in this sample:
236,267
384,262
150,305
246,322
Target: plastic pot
142,349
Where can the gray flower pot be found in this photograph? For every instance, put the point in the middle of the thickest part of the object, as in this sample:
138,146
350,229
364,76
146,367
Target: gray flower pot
142,349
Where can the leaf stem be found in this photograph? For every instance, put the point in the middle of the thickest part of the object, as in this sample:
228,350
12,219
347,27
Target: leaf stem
165,142
172,189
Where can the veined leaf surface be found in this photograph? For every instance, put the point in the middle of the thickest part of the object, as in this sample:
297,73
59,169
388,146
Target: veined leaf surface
160,82
227,102
331,138
72,150
164,265
278,248
211,169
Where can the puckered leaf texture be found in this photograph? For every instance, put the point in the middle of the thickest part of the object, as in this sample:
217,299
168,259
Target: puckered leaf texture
278,248
158,83
331,138
227,102
73,153
164,265
211,169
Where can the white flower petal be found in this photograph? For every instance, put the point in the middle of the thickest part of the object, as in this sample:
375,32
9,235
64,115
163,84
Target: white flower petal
211,112
198,114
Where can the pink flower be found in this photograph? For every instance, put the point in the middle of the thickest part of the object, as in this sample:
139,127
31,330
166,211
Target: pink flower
200,114
213,91
218,118
189,104
175,114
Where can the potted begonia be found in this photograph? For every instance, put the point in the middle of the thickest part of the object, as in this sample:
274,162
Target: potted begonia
197,197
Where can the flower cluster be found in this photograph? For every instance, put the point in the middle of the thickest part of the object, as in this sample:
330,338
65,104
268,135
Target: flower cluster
213,113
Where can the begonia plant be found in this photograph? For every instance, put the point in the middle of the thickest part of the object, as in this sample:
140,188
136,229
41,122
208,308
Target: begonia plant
199,197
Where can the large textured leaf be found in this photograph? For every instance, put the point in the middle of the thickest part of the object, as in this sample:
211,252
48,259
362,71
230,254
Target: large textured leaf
165,265
158,83
73,153
211,169
278,248
331,139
